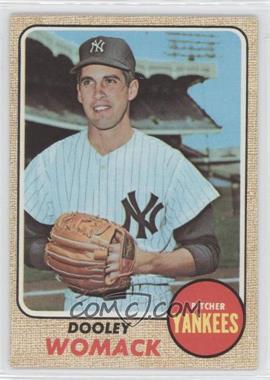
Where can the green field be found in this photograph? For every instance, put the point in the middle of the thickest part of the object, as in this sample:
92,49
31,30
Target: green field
227,229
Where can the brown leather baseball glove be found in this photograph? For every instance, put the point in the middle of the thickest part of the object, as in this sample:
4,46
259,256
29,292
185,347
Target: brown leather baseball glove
78,249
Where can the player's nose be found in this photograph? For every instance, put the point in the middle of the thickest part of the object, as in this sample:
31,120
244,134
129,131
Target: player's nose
99,91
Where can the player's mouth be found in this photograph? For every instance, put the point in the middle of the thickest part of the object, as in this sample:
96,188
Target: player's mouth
101,108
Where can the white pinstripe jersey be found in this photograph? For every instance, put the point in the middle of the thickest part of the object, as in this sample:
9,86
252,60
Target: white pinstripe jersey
145,184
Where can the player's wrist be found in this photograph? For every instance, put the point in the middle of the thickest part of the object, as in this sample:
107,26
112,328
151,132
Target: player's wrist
143,261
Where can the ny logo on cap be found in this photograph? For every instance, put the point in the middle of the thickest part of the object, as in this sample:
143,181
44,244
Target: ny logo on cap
97,46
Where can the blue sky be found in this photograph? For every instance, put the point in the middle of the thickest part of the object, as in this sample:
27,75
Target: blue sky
219,97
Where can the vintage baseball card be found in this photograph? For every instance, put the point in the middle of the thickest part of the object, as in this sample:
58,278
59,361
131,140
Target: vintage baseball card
133,192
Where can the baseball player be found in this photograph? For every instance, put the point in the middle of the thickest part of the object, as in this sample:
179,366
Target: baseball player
119,173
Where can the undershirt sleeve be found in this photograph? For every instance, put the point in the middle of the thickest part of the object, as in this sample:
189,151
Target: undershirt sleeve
199,238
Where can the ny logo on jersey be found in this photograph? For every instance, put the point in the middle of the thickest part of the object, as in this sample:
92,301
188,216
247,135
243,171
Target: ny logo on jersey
97,46
132,210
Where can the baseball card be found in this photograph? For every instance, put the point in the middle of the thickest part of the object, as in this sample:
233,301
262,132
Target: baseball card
133,191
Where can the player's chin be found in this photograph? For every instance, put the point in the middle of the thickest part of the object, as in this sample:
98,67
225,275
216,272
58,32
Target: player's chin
104,126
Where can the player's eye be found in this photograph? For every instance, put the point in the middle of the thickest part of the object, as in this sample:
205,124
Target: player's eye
85,82
111,81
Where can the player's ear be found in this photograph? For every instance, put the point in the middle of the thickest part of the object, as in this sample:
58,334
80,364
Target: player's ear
79,96
133,89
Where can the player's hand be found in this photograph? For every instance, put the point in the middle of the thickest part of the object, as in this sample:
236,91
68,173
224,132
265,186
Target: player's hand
113,260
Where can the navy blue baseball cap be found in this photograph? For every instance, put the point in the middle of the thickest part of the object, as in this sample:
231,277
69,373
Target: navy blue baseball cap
108,51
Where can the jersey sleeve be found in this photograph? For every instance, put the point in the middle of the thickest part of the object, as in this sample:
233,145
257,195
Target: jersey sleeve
188,194
37,191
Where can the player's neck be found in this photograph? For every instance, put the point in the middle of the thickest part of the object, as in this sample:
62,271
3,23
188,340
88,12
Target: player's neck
106,141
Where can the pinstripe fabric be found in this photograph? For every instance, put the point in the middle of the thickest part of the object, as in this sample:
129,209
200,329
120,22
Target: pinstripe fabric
71,176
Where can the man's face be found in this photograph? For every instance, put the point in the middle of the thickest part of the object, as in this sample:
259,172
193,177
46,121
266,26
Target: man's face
105,96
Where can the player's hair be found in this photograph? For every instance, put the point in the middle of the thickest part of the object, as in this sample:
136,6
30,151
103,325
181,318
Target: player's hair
128,75
78,75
